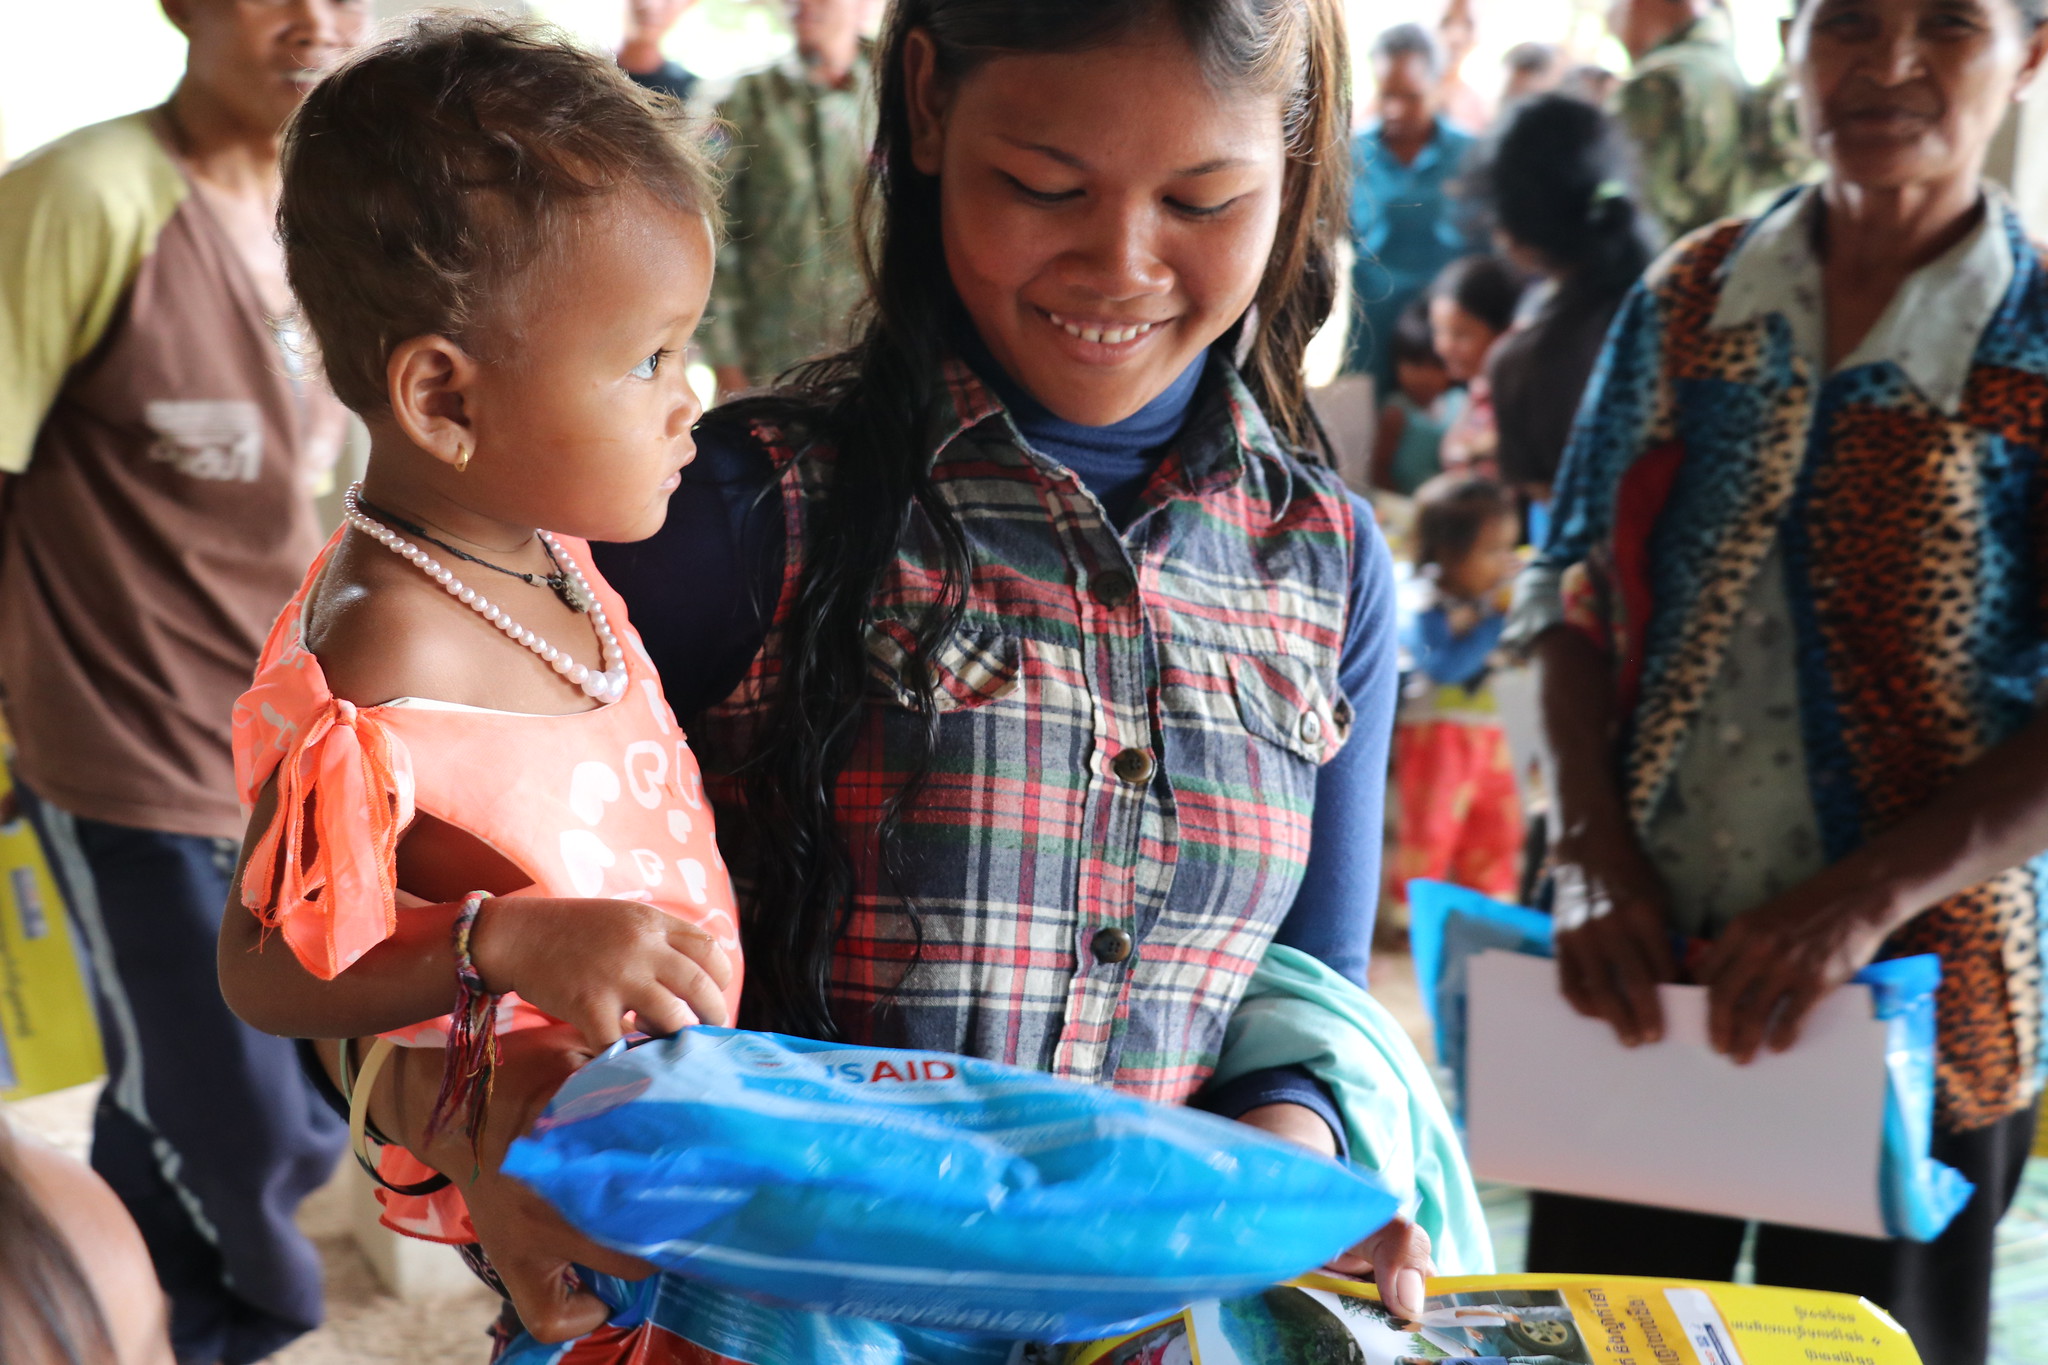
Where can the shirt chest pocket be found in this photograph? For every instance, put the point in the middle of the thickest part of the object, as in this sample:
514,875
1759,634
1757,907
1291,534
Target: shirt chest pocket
1287,702
969,670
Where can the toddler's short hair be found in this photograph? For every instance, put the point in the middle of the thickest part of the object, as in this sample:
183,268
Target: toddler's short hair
1482,285
1413,342
1450,512
426,176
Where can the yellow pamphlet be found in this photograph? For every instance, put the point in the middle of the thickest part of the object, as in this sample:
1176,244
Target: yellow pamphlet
49,1037
1517,1320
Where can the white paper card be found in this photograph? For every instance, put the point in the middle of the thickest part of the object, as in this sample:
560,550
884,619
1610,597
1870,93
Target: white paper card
1555,1102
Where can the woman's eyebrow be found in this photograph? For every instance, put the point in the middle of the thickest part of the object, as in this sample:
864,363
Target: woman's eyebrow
1067,158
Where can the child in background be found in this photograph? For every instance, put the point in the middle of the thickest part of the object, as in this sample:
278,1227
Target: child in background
503,247
1471,307
1458,816
1406,449
76,1281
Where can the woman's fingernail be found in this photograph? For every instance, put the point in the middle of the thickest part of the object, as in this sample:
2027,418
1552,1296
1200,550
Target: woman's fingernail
1408,1288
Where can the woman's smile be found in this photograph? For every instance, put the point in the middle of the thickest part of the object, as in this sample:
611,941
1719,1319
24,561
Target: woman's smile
1097,340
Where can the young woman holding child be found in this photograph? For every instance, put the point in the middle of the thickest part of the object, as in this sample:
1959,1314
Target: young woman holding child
1407,444
1042,680
1471,307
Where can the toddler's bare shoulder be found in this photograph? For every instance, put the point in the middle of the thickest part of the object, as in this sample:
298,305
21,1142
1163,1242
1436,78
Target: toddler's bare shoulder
381,635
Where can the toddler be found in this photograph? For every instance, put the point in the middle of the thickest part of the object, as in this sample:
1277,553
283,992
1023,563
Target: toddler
1406,450
1458,816
466,785
1471,307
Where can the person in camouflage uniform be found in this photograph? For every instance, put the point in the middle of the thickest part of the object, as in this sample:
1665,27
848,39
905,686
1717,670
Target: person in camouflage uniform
788,275
1775,152
1684,108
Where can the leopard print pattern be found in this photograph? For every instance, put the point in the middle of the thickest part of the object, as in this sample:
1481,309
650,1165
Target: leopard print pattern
1984,1066
1767,473
1896,611
1895,523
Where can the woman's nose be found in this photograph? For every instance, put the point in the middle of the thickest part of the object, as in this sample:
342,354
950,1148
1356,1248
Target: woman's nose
1898,57
1119,259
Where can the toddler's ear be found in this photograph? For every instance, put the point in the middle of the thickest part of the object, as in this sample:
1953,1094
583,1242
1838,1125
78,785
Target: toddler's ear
428,380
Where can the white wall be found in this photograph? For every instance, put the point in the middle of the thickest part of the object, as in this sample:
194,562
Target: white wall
67,63
2030,168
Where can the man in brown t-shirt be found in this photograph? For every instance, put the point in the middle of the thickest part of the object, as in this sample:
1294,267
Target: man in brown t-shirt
161,445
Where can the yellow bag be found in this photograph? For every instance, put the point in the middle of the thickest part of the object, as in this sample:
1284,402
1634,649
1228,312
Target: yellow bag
49,1035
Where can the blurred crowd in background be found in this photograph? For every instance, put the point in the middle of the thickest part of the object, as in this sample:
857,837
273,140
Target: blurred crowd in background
1514,176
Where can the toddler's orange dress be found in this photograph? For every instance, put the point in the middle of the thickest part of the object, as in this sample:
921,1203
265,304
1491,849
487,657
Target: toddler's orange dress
601,803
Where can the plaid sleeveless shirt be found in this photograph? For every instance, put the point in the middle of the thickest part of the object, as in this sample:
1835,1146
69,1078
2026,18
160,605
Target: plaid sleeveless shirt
1117,811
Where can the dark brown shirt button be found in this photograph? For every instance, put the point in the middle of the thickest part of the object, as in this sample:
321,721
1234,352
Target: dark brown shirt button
1113,589
1110,945
1133,766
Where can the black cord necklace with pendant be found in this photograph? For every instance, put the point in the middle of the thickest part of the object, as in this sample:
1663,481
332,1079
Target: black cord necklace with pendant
558,582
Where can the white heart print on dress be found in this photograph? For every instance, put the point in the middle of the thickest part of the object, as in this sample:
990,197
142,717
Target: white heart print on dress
694,880
592,787
647,772
692,784
585,857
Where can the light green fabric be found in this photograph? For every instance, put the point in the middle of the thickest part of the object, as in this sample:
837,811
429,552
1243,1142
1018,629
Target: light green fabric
1299,1012
77,220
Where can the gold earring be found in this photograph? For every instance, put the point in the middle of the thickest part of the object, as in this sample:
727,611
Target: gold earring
461,458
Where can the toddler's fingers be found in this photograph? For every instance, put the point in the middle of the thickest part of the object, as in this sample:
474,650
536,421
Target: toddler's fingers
689,980
658,1012
551,1303
701,946
598,1021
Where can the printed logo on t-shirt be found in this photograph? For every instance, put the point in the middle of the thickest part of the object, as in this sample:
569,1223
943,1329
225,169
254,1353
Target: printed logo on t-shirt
208,438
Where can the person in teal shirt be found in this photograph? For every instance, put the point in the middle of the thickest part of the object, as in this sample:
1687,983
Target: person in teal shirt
1406,220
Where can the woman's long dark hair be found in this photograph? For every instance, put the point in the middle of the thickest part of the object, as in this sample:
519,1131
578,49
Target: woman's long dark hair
1557,180
873,404
47,1306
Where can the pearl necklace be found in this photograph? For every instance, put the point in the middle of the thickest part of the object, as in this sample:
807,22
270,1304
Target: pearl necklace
606,686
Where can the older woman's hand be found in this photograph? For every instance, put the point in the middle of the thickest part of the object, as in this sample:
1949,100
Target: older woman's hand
1613,931
1773,965
1611,907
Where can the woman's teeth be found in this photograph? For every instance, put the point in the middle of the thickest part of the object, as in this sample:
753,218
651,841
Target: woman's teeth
1108,336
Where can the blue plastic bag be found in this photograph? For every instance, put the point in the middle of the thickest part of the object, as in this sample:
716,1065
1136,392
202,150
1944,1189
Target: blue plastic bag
1447,927
927,1189
1919,1195
731,1326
